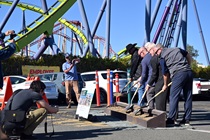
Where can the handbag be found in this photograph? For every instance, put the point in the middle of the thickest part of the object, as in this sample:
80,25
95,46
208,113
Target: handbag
13,121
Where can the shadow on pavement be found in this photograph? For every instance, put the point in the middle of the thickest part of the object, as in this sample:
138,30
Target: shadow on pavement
82,134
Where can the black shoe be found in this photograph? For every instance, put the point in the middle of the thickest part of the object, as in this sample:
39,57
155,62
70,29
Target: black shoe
169,123
185,122
27,137
76,116
176,123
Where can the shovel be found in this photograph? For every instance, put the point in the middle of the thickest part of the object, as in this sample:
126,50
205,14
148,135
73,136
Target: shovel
129,108
117,94
140,109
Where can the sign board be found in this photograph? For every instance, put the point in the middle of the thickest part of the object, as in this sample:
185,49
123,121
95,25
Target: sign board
84,103
34,70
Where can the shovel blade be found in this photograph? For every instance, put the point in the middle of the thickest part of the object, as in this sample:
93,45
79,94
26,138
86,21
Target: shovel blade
117,94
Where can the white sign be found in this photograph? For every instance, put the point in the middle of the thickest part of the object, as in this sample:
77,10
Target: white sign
84,103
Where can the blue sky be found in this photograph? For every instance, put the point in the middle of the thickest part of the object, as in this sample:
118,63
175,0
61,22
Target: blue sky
127,21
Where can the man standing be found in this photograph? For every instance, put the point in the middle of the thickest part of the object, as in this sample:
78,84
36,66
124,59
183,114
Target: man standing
157,78
135,72
146,69
175,62
71,78
136,69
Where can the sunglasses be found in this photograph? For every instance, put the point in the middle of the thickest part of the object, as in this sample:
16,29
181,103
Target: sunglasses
157,50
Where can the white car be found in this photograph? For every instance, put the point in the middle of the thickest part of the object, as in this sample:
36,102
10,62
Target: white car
89,78
19,82
201,86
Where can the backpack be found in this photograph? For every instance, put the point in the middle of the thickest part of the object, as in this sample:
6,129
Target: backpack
13,121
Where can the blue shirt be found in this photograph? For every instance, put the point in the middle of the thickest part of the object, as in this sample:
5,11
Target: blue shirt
72,74
146,69
163,66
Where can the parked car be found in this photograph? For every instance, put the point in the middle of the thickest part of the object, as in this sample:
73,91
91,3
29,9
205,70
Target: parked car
58,79
19,82
201,86
89,78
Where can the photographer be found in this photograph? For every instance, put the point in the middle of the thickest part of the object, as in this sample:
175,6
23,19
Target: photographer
71,79
24,100
6,51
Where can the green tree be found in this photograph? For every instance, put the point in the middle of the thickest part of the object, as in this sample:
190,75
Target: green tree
193,52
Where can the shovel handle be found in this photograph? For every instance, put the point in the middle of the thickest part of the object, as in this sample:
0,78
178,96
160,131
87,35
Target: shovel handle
125,86
133,85
135,93
145,92
161,91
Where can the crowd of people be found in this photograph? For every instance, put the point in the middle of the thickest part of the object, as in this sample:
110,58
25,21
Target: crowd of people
160,66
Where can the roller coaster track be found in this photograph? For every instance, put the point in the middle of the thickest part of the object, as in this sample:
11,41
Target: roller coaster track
21,42
46,25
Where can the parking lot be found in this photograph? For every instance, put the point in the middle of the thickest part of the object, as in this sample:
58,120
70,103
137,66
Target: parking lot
100,126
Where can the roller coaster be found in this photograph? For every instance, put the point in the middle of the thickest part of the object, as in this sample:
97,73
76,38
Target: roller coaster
175,13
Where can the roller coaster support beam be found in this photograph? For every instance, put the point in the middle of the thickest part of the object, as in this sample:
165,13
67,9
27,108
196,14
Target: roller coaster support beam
44,5
157,33
108,18
170,22
147,20
98,19
51,43
79,44
8,14
201,32
89,36
72,43
154,15
184,23
24,27
178,29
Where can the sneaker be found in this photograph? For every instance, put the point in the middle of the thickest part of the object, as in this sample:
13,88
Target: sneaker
176,123
169,123
76,116
185,122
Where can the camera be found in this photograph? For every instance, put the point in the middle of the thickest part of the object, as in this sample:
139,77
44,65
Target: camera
12,36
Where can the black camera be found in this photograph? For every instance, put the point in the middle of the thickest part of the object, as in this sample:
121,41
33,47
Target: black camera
12,36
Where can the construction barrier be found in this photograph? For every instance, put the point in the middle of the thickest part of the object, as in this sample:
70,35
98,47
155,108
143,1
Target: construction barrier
111,87
97,90
117,86
108,87
129,85
6,91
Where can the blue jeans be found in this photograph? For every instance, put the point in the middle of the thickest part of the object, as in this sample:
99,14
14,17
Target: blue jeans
140,94
182,80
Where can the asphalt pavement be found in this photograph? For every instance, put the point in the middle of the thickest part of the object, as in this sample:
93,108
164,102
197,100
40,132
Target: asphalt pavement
101,126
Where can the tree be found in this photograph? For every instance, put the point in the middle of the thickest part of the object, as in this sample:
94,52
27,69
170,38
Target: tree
193,52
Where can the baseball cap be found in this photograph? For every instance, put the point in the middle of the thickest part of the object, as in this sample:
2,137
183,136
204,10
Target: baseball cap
67,55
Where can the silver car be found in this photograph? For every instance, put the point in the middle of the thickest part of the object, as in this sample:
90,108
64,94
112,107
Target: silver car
58,79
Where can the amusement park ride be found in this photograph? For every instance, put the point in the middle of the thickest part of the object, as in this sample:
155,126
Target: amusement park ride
41,32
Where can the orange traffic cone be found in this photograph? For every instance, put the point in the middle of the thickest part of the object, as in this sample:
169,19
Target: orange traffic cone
7,91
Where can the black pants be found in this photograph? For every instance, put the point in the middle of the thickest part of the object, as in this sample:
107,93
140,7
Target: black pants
161,99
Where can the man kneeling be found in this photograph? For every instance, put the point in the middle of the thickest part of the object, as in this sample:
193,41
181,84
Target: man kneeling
24,100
